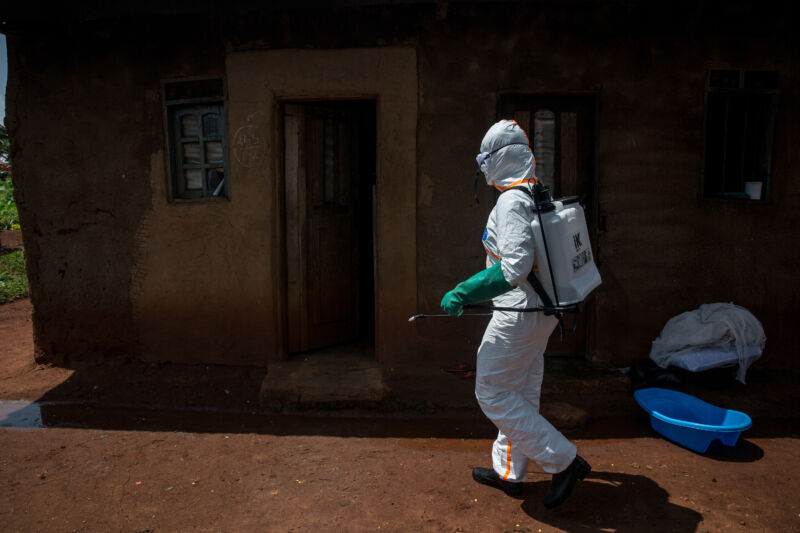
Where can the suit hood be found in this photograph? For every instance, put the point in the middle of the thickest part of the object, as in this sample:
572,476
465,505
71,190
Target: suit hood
511,161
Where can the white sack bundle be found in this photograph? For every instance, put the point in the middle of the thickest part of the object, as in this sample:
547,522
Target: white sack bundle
724,326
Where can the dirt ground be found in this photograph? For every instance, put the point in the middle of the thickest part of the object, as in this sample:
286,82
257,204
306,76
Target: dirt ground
11,240
136,481
218,464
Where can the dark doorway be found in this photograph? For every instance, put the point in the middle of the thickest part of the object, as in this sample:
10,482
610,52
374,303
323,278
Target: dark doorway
561,131
329,171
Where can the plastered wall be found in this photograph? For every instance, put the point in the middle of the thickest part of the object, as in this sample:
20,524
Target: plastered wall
117,270
259,81
662,248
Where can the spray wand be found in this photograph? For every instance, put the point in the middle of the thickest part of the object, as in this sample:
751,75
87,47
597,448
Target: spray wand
567,309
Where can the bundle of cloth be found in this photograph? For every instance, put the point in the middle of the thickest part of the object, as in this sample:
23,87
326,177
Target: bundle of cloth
714,335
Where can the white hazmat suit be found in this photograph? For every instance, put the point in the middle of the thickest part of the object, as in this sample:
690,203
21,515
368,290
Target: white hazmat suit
510,358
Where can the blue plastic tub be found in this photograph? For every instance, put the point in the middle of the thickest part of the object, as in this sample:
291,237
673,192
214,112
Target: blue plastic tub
690,421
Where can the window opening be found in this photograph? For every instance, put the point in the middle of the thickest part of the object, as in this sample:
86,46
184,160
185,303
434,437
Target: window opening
196,123
561,132
740,122
544,146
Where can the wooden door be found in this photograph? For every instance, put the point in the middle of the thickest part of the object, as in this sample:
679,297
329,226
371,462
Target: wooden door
322,245
561,133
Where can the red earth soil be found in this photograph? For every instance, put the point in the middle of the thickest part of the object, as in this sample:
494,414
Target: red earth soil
103,467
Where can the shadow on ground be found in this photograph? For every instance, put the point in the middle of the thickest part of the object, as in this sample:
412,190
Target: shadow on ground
608,501
745,451
136,395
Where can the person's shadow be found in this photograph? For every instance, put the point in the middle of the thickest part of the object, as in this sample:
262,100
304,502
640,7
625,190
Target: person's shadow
607,501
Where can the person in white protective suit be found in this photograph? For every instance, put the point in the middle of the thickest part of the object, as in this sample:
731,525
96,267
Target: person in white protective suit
510,358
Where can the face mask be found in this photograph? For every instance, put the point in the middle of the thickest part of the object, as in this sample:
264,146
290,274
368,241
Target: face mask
484,160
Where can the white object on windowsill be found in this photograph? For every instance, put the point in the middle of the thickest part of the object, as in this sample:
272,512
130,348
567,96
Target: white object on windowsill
753,189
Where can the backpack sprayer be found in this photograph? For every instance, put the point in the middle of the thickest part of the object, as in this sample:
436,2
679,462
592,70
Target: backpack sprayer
568,275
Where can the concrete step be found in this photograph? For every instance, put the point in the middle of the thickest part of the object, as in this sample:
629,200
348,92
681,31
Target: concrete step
323,380
353,379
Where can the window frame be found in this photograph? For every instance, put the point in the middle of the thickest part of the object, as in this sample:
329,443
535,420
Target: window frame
171,116
772,93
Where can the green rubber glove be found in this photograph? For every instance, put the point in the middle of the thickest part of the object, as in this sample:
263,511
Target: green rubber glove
483,286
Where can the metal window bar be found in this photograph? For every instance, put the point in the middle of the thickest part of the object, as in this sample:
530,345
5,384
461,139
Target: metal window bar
725,145
742,178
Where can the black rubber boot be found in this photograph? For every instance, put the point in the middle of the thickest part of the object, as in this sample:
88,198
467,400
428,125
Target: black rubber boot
564,482
488,476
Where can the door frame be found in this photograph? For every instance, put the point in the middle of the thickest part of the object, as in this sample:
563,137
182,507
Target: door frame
257,81
281,186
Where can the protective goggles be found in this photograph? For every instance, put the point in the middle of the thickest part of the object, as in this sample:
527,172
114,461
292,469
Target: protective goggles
484,157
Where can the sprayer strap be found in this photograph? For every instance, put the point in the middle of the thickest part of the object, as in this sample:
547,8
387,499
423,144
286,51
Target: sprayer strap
548,306
522,188
539,288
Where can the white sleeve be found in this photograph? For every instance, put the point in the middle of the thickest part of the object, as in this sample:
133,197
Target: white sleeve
514,237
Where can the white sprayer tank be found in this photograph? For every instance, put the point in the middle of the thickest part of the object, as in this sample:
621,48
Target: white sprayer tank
570,252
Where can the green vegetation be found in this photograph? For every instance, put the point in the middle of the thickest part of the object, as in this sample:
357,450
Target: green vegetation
9,218
5,144
13,283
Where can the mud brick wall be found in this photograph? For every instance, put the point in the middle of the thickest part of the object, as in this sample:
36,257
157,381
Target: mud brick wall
85,114
88,133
